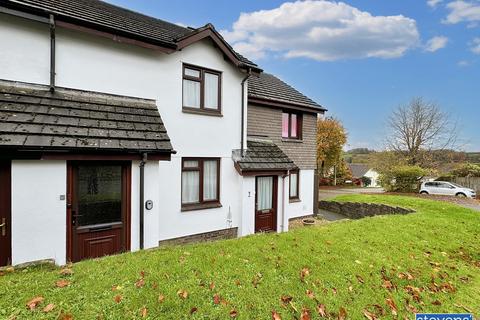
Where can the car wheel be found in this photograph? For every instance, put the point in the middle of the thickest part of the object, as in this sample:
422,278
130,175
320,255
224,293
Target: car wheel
423,192
461,195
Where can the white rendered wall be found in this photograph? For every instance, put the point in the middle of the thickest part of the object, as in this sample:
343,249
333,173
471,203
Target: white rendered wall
24,50
93,63
38,214
151,192
373,175
174,223
305,206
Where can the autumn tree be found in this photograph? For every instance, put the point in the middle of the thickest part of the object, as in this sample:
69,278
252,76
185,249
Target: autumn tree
331,137
418,128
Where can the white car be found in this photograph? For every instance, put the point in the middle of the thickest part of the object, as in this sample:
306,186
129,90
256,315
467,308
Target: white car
445,188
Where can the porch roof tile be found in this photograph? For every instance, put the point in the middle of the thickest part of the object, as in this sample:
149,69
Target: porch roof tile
264,155
33,117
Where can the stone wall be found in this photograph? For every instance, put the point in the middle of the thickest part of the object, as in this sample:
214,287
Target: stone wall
358,210
202,237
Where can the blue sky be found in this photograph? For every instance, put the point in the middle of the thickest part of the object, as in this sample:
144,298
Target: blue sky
378,57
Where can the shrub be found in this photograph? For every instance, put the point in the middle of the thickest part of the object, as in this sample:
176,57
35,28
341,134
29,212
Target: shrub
467,170
402,178
366,181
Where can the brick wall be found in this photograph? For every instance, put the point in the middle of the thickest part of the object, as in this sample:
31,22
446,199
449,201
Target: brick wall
202,237
267,122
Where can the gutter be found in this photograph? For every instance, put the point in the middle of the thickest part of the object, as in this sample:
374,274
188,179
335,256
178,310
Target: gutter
142,199
242,130
282,226
52,53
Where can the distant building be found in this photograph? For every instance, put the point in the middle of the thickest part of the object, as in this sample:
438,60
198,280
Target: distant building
360,170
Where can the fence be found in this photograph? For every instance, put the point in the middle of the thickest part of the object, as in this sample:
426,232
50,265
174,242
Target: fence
469,182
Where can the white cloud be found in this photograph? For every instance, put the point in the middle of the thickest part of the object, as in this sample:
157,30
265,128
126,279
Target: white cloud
434,3
322,30
436,43
475,46
463,11
463,63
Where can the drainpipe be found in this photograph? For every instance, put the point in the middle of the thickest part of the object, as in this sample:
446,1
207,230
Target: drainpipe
282,226
242,130
142,198
52,53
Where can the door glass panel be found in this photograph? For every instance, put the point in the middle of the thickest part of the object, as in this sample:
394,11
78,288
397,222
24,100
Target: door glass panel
99,194
265,193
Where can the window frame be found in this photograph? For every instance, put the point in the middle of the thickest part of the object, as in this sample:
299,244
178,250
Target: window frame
201,204
201,79
297,197
299,116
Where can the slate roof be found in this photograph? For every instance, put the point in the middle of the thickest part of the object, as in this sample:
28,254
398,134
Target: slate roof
33,118
267,86
358,169
264,155
96,13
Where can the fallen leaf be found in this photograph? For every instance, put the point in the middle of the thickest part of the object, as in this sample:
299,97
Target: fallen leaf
237,282
161,298
305,315
233,313
334,290
193,310
142,274
62,283
118,298
310,294
183,294
216,299
276,315
342,314
66,272
212,285
303,273
143,312
350,288
32,304
387,284
369,315
256,279
140,283
65,316
360,279
392,305
115,288
322,310
49,307
286,299
436,303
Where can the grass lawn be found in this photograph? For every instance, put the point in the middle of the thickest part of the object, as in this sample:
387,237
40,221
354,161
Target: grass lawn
427,261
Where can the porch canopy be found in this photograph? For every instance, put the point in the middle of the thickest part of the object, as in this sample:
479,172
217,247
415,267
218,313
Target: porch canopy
263,157
76,125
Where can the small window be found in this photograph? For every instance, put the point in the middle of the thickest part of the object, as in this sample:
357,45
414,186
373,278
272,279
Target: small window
200,181
201,89
294,184
291,125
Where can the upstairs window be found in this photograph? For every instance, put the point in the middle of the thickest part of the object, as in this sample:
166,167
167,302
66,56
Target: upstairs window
291,125
201,89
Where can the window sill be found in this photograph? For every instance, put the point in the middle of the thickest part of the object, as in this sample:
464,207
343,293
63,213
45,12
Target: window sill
292,140
200,206
293,200
204,112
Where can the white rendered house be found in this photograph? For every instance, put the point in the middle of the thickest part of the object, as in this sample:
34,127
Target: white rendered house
119,131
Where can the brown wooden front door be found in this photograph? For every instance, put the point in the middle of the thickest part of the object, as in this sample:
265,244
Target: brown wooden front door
98,210
266,204
5,213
